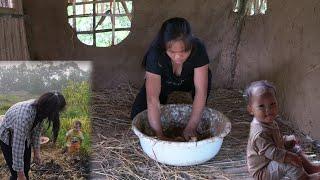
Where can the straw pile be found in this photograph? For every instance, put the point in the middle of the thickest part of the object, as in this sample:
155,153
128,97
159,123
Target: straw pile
117,153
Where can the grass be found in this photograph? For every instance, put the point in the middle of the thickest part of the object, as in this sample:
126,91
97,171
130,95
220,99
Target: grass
77,96
67,124
7,100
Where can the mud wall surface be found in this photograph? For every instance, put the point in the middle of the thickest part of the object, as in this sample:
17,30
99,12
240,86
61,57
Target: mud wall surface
281,46
50,36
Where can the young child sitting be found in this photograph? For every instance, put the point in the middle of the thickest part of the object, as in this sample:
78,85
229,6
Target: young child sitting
269,154
74,138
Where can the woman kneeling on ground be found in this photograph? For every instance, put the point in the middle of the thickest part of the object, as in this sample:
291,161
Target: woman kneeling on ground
175,61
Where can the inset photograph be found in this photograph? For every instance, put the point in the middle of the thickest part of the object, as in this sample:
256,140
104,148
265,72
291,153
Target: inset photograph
44,119
181,120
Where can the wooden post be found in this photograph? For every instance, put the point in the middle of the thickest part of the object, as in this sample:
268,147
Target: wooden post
113,21
94,23
126,9
74,22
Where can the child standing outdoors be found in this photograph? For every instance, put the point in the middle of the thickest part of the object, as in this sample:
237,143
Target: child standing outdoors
74,138
269,154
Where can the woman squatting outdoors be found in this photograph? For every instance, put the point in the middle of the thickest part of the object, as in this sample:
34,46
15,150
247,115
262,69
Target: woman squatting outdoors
21,127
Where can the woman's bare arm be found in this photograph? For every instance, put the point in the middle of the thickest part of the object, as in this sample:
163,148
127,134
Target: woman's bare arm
201,88
153,88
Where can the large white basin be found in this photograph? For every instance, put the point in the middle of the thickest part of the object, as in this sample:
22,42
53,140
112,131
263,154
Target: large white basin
214,126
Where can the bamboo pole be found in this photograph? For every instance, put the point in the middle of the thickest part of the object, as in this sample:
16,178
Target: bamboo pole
94,23
97,14
102,30
126,9
113,21
74,22
84,7
102,7
90,2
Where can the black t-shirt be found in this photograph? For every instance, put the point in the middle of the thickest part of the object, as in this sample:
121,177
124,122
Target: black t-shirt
160,63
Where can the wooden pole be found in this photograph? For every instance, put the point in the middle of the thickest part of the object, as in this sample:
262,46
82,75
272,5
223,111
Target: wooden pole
113,22
94,23
126,9
74,22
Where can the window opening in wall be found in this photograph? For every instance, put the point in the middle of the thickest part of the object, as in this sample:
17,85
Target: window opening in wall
251,7
9,7
6,4
100,23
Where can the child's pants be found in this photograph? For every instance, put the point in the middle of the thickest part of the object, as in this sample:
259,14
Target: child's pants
74,148
276,170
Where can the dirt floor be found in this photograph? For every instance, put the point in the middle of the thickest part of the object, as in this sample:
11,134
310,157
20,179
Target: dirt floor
117,153
55,166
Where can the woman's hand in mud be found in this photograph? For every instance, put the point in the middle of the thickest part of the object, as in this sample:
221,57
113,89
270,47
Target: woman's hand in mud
161,136
189,133
164,138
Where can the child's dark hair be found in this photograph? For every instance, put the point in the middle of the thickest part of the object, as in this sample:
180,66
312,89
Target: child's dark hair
77,122
264,84
48,105
172,29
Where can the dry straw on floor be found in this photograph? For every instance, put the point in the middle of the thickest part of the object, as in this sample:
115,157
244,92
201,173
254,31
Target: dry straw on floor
117,153
55,165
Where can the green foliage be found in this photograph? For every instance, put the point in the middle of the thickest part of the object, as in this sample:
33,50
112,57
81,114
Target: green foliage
4,108
77,95
66,125
36,78
78,98
7,100
78,102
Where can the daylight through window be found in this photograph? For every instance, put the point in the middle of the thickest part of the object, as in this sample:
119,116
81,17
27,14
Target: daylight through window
100,23
6,4
251,7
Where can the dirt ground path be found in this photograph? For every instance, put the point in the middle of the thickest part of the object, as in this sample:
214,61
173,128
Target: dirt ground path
55,165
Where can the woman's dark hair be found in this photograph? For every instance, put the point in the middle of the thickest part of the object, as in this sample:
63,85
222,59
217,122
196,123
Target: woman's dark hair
48,105
172,29
263,84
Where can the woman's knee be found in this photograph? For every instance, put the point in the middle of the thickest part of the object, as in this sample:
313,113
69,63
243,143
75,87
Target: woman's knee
140,102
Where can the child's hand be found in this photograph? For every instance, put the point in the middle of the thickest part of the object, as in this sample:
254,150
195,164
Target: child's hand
290,141
292,138
293,159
